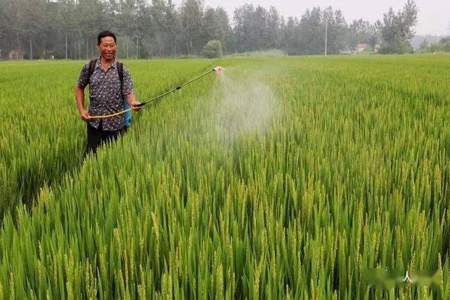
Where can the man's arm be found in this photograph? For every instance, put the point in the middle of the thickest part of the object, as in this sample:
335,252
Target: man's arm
132,102
83,81
128,90
79,96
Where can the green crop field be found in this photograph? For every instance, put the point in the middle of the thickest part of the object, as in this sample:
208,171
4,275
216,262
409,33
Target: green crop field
285,178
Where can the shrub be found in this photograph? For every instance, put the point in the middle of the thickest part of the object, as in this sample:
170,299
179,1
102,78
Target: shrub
213,49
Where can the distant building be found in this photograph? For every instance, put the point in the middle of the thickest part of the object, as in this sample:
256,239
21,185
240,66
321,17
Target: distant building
362,48
16,54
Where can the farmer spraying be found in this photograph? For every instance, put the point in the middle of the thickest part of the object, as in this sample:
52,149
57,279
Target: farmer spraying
111,94
110,90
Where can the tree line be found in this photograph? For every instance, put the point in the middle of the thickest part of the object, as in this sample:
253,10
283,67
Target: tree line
157,28
443,45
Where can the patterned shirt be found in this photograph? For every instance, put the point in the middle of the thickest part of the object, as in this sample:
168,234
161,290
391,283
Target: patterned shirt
104,91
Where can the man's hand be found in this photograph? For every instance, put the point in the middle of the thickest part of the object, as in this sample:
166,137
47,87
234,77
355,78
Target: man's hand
133,103
84,115
136,105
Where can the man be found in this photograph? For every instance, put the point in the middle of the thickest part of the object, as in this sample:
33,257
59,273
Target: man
109,92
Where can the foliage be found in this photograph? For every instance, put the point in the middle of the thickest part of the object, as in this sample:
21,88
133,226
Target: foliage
157,28
397,29
361,31
442,46
213,49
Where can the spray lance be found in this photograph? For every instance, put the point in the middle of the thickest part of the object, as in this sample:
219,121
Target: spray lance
218,70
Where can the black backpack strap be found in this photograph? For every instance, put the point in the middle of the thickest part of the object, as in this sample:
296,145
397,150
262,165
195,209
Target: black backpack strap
120,71
92,64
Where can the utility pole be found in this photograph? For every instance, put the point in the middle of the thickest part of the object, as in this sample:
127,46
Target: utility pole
137,46
326,36
66,47
31,49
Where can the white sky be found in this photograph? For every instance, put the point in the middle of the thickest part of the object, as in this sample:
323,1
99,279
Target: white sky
434,15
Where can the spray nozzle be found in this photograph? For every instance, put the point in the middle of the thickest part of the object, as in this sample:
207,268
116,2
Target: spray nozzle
219,70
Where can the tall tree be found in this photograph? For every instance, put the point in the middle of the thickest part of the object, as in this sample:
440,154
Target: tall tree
68,28
216,25
291,37
173,26
92,18
312,32
4,28
397,29
256,28
358,32
159,28
336,27
127,25
273,28
65,23
224,29
31,24
243,32
191,18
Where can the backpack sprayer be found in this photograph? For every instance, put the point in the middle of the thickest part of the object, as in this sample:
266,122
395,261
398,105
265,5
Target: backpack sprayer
218,69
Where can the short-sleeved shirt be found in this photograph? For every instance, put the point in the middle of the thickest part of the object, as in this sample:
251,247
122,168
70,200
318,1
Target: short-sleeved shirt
105,97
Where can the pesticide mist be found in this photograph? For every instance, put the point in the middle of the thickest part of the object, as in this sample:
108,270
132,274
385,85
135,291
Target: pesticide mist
242,106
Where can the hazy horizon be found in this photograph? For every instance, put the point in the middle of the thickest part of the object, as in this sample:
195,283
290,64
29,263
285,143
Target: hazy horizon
432,19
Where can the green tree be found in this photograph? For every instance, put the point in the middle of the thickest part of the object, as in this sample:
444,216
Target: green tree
445,42
92,17
336,28
358,32
216,25
442,45
192,23
256,28
424,46
31,26
4,28
397,29
312,32
66,24
273,28
243,29
213,49
159,28
291,36
173,27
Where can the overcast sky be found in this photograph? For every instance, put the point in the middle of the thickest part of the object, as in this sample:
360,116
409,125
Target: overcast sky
434,15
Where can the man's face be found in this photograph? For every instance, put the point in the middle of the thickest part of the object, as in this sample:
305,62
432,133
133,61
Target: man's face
107,48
